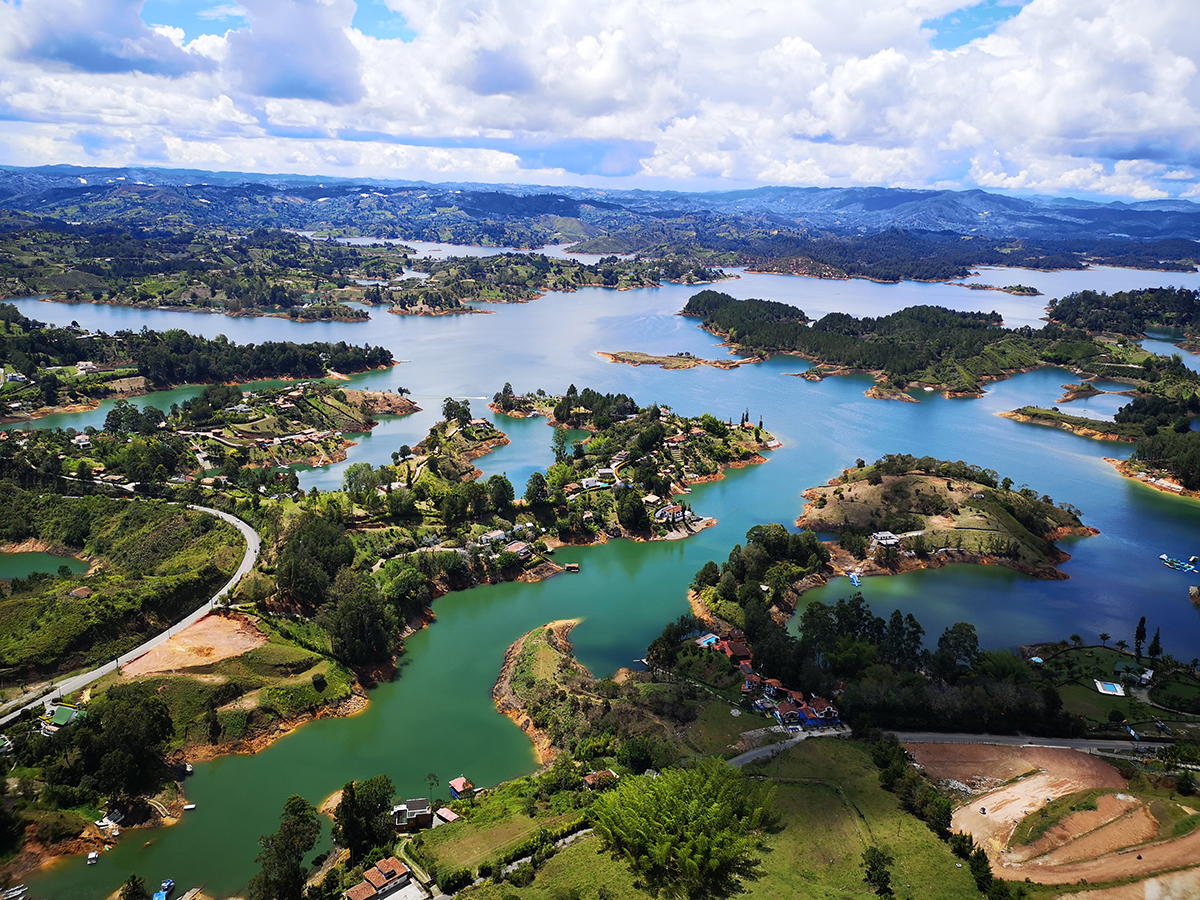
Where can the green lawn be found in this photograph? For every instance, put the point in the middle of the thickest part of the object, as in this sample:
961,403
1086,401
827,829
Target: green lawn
830,808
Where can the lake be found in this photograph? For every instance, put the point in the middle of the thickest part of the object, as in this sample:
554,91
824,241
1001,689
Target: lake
437,716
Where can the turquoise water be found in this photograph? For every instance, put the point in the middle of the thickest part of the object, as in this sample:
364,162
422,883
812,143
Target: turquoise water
438,716
20,565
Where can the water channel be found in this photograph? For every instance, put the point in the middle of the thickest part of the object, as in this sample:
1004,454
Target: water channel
437,716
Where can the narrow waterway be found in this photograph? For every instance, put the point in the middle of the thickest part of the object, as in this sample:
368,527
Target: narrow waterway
437,717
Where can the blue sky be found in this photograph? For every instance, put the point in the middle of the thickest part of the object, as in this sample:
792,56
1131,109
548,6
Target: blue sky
963,25
1097,98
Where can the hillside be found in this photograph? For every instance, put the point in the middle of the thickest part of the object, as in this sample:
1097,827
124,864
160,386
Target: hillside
940,509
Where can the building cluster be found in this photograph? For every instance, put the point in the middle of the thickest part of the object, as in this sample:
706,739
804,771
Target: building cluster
770,695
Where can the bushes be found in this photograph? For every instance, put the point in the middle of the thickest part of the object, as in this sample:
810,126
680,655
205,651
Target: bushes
454,880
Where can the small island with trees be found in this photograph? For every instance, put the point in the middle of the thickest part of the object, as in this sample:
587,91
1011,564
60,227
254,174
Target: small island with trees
903,512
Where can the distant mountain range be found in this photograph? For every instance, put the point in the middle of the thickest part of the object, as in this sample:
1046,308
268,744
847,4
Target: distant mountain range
524,215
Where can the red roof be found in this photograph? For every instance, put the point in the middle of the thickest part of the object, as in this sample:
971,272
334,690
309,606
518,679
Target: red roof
361,891
392,867
375,877
460,784
447,815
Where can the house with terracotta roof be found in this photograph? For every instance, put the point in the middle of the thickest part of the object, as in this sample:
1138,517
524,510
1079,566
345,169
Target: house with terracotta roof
789,713
381,880
600,779
460,787
737,651
823,708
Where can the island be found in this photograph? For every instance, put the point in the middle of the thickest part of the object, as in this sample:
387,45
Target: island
933,348
47,369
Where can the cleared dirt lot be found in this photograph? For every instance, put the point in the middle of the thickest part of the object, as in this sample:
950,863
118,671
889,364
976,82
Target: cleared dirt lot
1100,845
211,639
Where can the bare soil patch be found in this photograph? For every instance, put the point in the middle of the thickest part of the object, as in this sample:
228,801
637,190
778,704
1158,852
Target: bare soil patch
1174,886
1099,854
1108,808
213,638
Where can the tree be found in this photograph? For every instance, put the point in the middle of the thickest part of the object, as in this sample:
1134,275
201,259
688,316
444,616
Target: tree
134,888
1077,640
361,625
688,833
1155,648
957,649
500,493
361,480
1122,645
631,512
877,876
1139,638
362,820
536,489
559,443
282,855
1104,636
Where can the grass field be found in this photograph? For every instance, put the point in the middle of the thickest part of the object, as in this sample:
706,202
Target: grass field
830,807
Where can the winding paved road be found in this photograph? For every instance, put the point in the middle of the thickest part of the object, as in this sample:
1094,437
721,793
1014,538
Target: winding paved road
75,682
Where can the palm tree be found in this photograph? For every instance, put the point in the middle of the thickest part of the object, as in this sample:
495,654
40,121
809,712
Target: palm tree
1077,640
1104,636
1121,645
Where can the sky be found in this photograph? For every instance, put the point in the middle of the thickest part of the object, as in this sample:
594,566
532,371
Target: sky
1093,98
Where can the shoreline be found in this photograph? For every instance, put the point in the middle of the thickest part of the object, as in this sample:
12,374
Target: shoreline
672,363
510,706
92,404
253,313
1073,428
1158,480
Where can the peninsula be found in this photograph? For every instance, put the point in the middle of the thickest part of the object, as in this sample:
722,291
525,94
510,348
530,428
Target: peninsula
931,347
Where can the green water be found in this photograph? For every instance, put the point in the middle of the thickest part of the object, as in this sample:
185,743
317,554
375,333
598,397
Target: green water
20,565
438,716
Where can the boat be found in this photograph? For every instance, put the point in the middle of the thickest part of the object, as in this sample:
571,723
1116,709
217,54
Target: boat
189,806
855,579
1179,565
93,858
14,893
167,886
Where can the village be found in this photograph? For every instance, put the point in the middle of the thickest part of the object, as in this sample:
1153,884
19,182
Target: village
770,696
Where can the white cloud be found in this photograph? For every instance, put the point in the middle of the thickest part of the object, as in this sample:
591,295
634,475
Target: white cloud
1102,97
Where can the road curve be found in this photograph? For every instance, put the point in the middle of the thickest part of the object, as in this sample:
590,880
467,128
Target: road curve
75,682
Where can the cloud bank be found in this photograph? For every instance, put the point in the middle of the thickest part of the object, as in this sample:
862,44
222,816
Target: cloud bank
1093,97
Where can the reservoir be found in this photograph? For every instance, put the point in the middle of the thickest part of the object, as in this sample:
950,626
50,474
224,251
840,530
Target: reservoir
437,716
22,565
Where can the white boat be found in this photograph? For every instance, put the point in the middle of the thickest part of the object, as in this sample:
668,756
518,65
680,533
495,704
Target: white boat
93,858
13,893
189,806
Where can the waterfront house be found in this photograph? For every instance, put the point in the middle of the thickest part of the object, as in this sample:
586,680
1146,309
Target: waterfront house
381,880
460,787
885,539
672,513
412,815
522,549
490,536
